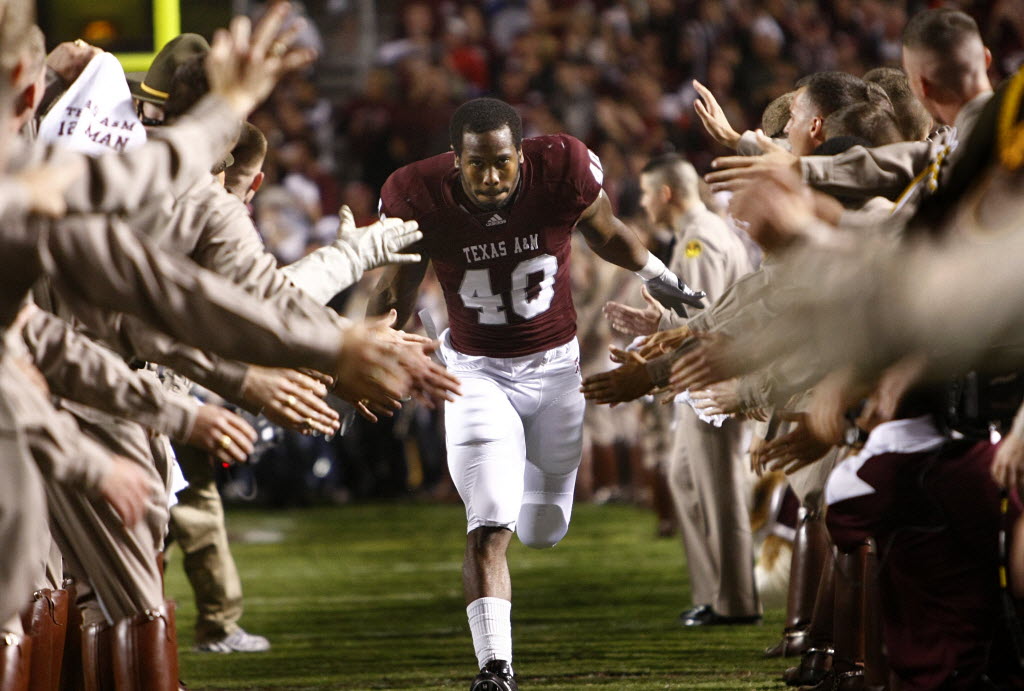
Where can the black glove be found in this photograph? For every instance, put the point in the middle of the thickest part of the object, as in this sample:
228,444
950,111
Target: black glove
670,291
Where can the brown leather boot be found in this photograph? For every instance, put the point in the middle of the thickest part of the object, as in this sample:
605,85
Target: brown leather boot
810,547
97,657
817,659
146,651
45,621
15,662
876,665
71,677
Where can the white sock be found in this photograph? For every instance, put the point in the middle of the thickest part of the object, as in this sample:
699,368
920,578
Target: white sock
490,622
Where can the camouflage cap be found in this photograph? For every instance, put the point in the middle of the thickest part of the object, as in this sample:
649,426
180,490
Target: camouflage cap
156,83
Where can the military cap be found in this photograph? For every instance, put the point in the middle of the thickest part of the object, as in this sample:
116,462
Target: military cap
156,83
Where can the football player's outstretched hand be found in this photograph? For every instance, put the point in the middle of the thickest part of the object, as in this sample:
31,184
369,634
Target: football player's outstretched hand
673,293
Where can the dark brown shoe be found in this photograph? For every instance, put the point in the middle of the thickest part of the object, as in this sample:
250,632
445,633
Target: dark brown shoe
839,681
814,665
792,644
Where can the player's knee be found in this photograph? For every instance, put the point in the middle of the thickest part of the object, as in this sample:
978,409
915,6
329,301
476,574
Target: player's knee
541,525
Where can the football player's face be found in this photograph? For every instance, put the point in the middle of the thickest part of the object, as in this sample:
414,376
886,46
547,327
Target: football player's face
489,167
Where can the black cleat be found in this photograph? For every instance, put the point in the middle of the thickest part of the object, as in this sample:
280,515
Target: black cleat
495,676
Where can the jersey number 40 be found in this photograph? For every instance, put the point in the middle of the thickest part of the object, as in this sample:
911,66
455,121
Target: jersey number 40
533,287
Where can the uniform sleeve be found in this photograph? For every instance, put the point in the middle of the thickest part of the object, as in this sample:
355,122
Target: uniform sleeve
868,172
77,368
105,264
585,171
391,203
232,247
325,272
748,146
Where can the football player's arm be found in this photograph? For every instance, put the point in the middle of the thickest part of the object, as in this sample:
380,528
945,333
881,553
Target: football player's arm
614,241
609,237
397,290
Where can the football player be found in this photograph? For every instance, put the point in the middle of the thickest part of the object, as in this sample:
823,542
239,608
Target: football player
497,213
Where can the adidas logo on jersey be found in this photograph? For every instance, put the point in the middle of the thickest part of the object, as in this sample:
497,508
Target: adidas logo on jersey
495,220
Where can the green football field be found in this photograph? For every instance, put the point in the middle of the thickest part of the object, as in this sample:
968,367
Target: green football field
369,597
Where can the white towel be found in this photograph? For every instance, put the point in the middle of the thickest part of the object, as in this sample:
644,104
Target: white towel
96,114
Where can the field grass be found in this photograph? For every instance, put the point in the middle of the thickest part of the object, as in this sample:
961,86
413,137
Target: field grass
369,597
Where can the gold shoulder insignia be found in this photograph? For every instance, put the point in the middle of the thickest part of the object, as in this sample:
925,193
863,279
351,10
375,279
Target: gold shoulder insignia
1010,132
693,249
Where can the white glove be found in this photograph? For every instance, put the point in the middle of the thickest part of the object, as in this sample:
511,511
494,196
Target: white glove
377,244
329,270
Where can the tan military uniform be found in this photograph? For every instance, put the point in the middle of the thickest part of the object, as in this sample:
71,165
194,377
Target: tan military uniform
96,260
23,525
708,473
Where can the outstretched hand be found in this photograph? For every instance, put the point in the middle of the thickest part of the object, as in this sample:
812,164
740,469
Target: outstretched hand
632,321
735,172
222,434
379,243
714,118
797,449
245,62
291,399
627,382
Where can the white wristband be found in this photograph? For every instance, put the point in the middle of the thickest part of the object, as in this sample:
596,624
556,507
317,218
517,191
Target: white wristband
652,269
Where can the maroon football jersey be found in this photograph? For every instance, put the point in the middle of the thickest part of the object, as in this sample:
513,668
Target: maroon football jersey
504,272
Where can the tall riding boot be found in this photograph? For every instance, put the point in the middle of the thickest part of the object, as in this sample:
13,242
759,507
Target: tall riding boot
810,547
97,657
817,659
146,651
876,666
46,621
15,662
847,673
71,678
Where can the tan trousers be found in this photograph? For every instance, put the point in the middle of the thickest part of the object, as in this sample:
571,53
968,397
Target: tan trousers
23,522
197,523
23,526
710,482
115,566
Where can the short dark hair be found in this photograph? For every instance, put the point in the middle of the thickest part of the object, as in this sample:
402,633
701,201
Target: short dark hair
484,115
865,120
941,30
776,115
251,147
675,171
188,85
832,90
911,115
942,33
248,155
